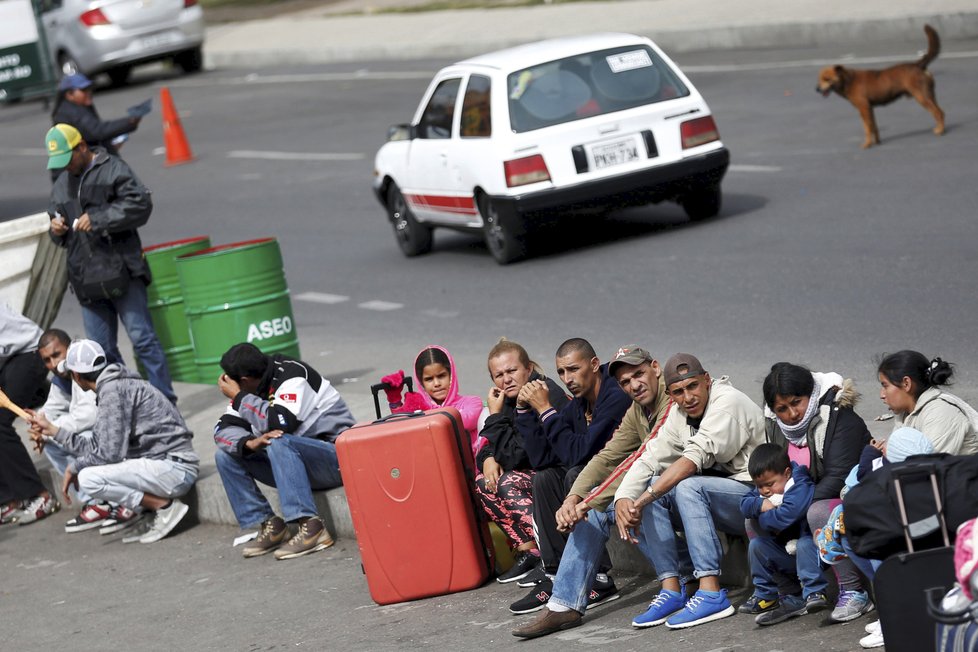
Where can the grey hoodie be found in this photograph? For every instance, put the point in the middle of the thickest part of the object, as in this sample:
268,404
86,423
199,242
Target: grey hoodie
134,421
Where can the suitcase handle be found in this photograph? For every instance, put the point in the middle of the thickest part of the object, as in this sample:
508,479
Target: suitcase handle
904,519
952,616
377,388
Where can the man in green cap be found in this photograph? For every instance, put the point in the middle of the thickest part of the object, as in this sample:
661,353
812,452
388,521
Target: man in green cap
95,210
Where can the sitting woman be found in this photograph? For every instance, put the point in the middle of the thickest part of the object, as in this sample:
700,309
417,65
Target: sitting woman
435,370
812,414
911,388
505,486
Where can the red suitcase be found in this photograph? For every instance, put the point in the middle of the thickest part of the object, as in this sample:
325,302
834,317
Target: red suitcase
409,483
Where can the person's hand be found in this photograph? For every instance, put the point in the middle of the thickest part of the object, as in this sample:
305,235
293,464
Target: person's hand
567,516
39,424
767,506
58,226
228,386
495,400
257,443
83,223
491,470
395,381
628,518
879,444
71,480
537,395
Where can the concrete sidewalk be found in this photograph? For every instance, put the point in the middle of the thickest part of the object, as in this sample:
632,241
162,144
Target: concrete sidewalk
327,34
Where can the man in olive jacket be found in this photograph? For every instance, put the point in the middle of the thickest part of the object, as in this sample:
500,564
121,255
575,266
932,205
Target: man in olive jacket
95,210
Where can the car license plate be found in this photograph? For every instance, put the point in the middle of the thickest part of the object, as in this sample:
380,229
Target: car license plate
156,40
618,152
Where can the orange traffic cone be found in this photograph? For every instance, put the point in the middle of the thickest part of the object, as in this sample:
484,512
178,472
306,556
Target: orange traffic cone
177,148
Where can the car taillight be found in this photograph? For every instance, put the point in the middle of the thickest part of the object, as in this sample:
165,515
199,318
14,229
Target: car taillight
189,3
522,171
93,17
699,132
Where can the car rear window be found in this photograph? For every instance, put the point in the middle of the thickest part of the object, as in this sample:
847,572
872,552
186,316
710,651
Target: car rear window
589,84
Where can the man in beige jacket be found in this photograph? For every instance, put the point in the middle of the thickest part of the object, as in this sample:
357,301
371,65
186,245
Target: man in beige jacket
639,375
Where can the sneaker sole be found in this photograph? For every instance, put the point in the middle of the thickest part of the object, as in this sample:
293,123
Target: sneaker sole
71,529
513,579
118,527
249,553
784,617
729,611
870,607
293,555
527,611
598,603
655,623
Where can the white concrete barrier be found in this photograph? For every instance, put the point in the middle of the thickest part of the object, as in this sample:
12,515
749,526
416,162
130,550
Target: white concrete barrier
18,245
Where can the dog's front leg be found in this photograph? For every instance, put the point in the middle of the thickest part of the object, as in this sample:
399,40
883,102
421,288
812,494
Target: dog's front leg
869,124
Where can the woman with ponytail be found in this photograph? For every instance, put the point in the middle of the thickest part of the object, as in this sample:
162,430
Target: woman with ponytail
911,386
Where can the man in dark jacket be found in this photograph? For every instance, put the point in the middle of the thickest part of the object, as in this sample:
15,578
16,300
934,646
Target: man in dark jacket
564,442
74,107
95,210
279,429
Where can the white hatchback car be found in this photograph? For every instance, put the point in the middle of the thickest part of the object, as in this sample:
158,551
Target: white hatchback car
112,36
569,125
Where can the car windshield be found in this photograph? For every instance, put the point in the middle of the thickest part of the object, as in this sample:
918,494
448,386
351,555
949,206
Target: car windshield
589,84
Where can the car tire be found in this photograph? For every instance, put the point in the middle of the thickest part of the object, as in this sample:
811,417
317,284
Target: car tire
702,203
67,65
190,61
412,237
120,75
505,240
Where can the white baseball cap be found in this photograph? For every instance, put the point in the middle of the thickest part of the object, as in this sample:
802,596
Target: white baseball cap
84,356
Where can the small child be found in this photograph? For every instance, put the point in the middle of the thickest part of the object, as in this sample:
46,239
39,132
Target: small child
779,505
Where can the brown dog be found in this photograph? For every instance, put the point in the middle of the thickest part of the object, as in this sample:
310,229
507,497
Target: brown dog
869,88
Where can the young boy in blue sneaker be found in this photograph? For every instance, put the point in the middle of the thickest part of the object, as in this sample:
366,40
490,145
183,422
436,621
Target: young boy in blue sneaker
783,554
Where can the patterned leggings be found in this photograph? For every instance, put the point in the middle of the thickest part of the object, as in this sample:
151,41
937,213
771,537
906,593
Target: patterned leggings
511,506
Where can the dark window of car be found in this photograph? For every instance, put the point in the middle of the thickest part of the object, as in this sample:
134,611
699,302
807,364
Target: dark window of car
436,121
50,5
589,84
476,117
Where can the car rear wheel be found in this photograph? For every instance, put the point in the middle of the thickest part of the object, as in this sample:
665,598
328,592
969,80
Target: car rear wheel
702,203
67,64
119,76
505,240
412,237
190,61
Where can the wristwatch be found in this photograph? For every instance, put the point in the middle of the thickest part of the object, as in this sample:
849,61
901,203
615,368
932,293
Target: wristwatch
652,492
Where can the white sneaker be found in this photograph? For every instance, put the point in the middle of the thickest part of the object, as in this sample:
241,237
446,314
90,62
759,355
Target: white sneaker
872,640
873,627
164,521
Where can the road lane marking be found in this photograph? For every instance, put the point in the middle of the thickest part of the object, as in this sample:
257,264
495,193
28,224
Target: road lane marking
734,167
816,63
294,156
23,151
321,297
381,306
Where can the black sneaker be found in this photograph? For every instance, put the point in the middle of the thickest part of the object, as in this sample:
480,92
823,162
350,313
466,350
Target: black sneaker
755,604
535,600
533,578
601,593
523,566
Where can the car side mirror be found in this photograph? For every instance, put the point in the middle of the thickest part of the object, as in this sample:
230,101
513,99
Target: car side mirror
401,132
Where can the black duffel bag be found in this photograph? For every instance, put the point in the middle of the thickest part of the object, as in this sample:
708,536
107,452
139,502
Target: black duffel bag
872,511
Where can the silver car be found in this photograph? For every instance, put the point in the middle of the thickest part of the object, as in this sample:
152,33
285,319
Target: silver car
112,36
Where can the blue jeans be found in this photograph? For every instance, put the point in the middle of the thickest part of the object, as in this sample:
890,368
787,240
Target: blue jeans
582,555
294,465
60,459
703,504
101,319
866,566
772,567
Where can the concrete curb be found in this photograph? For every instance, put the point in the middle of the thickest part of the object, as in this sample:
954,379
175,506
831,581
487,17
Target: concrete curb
224,50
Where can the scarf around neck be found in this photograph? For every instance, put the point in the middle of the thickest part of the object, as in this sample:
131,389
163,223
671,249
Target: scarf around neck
796,433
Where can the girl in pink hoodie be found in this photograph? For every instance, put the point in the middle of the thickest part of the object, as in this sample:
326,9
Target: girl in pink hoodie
434,369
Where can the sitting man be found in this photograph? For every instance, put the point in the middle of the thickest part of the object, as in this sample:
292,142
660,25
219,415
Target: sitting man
694,472
561,444
141,455
584,510
279,430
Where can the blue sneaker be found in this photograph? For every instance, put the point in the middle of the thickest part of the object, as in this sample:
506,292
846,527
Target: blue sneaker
701,608
664,605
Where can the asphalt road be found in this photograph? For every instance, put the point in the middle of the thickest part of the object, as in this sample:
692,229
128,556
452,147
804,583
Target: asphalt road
824,254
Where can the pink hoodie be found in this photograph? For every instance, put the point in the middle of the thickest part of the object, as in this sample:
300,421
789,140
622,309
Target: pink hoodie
470,407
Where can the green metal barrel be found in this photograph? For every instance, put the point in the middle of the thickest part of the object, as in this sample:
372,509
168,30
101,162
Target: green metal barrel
166,305
236,293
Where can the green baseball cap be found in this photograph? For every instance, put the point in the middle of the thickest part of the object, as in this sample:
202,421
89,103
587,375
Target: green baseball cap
61,140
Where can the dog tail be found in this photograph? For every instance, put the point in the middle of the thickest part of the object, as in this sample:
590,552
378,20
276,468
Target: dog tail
933,47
